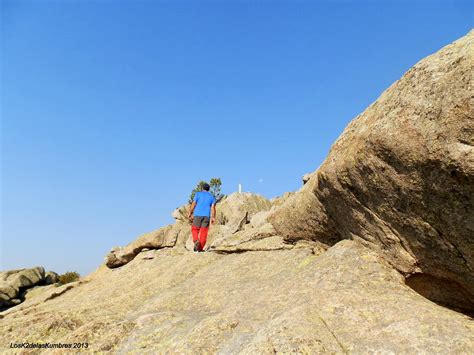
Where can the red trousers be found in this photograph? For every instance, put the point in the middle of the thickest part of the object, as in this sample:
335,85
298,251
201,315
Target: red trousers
200,234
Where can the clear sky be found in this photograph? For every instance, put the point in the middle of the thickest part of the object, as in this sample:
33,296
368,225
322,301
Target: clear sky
113,110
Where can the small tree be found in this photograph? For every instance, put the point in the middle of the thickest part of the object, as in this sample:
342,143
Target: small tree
214,183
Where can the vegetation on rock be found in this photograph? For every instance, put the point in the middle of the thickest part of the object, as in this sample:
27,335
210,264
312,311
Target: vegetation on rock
69,276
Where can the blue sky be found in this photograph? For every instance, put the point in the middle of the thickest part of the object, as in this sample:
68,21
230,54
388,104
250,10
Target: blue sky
113,110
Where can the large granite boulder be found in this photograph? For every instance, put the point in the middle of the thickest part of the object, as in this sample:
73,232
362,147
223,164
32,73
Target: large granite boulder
400,179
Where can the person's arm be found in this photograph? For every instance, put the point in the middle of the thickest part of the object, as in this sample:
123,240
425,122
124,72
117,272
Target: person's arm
213,214
191,210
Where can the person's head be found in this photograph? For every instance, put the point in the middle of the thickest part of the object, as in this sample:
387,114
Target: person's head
205,187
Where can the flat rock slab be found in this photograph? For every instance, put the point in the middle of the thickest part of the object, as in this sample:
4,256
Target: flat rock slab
344,300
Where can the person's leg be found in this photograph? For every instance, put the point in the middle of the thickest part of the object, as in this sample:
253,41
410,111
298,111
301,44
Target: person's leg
195,232
203,237
203,232
195,229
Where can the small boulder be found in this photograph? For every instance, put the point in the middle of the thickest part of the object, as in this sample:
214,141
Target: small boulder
306,178
181,213
51,278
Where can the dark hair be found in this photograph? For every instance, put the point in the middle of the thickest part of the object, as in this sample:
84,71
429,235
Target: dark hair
206,187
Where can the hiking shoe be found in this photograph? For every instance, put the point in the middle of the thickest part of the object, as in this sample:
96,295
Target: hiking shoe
196,245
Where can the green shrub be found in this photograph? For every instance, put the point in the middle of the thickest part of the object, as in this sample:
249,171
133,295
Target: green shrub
69,276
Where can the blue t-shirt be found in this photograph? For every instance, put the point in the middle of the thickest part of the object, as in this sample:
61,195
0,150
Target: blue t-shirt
204,200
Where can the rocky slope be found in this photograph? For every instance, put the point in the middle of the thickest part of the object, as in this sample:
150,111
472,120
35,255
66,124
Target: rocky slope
342,266
344,300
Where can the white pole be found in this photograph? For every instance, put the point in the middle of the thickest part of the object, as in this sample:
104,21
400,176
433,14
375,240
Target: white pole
240,188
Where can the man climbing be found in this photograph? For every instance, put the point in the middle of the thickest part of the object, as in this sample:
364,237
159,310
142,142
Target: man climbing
203,209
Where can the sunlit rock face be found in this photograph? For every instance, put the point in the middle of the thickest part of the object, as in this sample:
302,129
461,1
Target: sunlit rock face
400,178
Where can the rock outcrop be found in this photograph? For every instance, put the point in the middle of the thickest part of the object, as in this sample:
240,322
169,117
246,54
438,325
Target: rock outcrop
160,238
400,179
14,283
